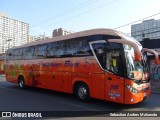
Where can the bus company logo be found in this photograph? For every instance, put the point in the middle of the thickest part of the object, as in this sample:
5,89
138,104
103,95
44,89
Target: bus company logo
6,114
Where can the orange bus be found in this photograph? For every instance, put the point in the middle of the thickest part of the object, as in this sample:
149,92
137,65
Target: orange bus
100,63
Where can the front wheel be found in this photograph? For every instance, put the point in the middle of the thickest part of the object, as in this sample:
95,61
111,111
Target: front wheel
21,82
82,92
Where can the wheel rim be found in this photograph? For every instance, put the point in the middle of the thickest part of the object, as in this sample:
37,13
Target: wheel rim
82,92
21,83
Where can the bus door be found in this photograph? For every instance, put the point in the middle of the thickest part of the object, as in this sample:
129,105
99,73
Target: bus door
115,67
108,82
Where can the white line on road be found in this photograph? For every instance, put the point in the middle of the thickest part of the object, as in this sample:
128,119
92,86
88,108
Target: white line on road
79,106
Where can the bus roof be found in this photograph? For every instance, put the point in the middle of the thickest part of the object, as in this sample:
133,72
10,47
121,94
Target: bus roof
73,35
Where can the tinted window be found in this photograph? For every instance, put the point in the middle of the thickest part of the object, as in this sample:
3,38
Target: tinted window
101,49
68,48
115,59
51,50
59,47
40,51
17,54
76,47
81,47
12,54
8,55
115,45
29,52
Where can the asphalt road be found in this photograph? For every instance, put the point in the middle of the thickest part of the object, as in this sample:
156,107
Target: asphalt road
12,98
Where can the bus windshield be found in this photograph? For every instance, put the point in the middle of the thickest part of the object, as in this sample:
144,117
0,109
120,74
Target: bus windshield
137,70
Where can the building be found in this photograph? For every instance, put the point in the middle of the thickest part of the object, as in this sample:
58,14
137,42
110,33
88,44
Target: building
146,29
32,38
12,33
60,31
36,38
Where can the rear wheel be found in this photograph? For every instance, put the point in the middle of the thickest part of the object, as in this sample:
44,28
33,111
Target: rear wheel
82,92
21,82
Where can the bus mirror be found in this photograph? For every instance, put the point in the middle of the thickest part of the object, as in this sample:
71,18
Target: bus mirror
152,52
137,51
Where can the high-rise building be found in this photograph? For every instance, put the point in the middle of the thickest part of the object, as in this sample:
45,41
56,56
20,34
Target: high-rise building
12,33
146,29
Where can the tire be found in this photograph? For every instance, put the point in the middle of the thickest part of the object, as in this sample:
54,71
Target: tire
82,92
21,82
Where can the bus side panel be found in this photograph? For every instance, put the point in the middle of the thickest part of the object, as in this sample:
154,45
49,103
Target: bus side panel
45,72
57,81
17,71
45,79
28,72
66,82
37,74
14,71
8,72
98,86
114,88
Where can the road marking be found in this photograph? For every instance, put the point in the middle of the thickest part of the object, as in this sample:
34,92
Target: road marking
9,89
79,106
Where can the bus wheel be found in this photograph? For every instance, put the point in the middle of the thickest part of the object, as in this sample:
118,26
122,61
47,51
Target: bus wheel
82,92
21,82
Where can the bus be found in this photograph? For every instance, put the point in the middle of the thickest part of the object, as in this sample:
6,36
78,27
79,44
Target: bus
99,63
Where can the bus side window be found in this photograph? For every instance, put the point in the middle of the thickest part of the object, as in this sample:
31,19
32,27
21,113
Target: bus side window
12,55
8,55
86,48
83,48
23,53
68,48
59,46
40,51
29,52
18,54
76,43
100,49
50,50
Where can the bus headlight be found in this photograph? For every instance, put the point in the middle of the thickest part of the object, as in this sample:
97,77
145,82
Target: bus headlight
132,89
